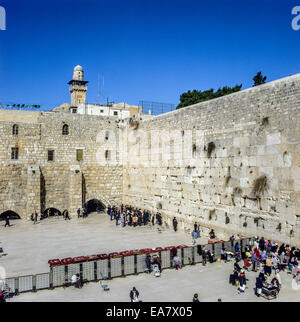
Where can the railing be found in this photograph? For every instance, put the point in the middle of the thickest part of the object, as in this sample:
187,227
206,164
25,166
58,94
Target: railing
116,266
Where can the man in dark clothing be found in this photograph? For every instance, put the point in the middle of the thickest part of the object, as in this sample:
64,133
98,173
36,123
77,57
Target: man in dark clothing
258,286
134,294
78,212
262,244
35,217
195,298
175,223
67,215
117,218
7,221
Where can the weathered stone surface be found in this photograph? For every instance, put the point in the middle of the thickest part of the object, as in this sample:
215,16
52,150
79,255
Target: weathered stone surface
164,164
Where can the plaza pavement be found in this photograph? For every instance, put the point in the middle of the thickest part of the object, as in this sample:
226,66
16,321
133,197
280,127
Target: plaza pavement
29,246
210,282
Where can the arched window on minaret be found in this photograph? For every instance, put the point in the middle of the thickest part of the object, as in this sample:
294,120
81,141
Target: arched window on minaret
15,129
65,129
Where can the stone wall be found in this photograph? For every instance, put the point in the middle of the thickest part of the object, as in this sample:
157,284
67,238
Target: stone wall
254,133
200,163
32,183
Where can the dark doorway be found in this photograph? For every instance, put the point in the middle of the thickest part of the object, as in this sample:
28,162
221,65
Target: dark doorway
50,212
94,205
10,214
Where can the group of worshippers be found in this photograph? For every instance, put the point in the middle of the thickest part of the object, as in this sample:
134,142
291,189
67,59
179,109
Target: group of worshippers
267,258
128,215
82,212
35,217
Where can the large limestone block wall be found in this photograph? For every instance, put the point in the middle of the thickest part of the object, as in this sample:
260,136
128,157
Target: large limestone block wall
32,183
255,132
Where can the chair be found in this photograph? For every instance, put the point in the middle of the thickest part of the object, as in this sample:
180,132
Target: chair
104,286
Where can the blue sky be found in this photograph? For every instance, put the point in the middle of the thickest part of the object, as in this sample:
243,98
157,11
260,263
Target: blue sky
145,50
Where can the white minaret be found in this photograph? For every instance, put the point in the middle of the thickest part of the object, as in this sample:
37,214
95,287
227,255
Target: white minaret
78,87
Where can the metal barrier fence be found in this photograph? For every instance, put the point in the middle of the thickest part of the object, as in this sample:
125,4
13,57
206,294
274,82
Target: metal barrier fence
116,266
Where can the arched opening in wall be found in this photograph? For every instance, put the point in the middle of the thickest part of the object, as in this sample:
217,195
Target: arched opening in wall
11,215
50,212
94,205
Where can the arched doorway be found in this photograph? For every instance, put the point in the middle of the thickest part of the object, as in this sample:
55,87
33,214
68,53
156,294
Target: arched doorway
50,212
94,205
11,214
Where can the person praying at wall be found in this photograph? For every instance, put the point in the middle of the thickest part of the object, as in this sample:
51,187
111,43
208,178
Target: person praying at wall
198,231
175,223
212,234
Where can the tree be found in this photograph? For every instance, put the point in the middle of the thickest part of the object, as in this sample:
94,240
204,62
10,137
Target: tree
195,96
259,79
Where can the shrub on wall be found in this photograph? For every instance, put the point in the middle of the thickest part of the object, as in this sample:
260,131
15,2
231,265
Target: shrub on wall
260,185
210,148
227,220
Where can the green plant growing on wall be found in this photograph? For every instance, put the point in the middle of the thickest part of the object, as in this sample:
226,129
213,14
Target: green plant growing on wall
237,190
265,121
227,179
211,213
260,185
245,224
256,221
291,233
134,123
279,227
210,148
227,220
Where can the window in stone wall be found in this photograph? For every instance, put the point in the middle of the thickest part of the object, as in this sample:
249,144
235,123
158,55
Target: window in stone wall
15,129
50,155
14,153
65,129
79,155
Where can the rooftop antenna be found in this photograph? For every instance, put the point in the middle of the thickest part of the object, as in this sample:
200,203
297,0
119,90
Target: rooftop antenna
103,87
98,93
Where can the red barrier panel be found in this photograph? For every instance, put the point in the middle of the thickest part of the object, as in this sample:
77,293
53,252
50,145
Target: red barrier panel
169,247
114,255
137,252
103,256
182,246
93,257
54,262
146,250
67,261
126,253
80,259
158,249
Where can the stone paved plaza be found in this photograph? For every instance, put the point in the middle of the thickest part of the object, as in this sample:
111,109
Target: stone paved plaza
29,246
210,282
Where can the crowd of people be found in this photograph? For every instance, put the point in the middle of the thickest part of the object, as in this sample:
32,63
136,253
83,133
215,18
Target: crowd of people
269,260
128,215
